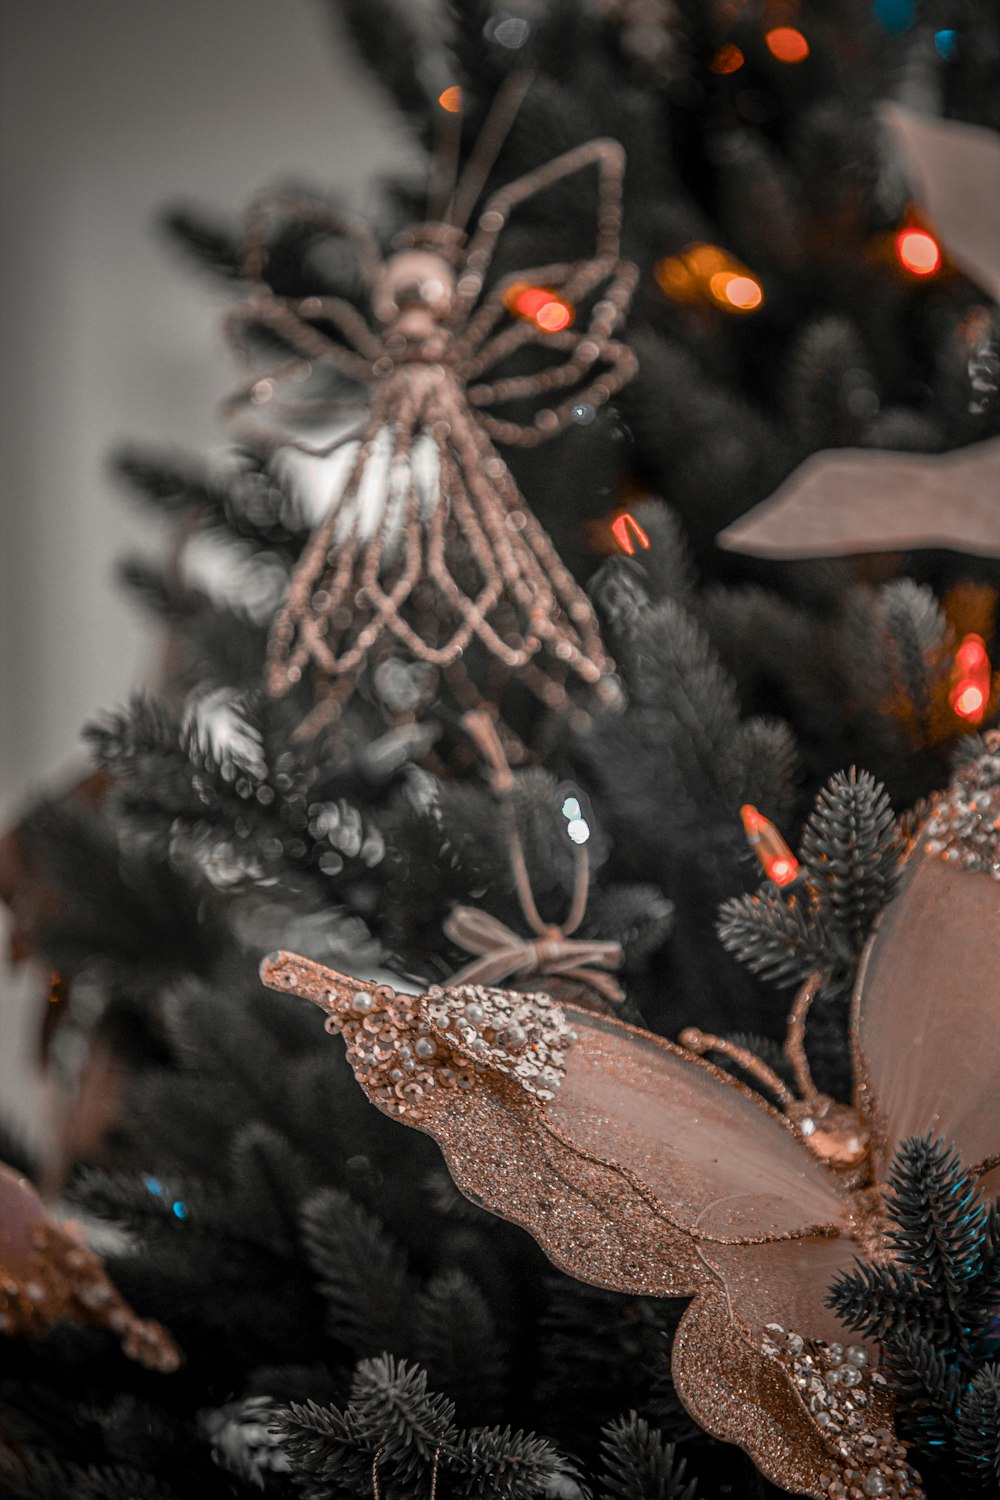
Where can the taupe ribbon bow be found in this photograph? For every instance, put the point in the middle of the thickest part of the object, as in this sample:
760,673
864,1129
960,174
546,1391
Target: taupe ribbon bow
504,954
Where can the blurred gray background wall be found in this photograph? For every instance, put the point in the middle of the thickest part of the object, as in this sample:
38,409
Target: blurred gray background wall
109,109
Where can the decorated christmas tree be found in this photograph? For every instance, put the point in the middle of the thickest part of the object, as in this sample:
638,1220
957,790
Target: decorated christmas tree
595,726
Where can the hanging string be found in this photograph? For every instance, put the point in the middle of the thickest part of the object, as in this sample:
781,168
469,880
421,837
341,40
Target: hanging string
503,953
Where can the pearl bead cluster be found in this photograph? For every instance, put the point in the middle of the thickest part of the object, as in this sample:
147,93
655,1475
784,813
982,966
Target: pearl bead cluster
964,824
403,1047
521,1036
845,1400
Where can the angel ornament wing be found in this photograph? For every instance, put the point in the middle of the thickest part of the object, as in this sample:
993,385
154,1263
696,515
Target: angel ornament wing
427,545
641,1167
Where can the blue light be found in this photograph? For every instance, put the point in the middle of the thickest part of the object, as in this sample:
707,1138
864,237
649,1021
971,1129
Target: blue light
895,15
180,1212
946,43
154,1186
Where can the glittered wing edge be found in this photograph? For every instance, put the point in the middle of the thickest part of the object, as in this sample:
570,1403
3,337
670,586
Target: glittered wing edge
740,1395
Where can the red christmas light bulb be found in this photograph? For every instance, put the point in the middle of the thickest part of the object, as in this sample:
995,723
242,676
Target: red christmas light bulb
728,59
918,252
971,679
539,305
787,44
626,531
777,860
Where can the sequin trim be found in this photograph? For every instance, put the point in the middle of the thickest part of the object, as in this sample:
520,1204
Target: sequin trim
963,826
402,1047
838,1388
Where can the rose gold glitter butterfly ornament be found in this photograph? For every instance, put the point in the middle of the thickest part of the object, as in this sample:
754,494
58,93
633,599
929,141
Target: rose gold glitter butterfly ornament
426,544
641,1167
48,1273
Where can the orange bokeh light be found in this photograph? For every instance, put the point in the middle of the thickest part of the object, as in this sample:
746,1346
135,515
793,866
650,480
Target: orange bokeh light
707,273
626,531
743,293
451,99
918,251
728,59
539,305
787,44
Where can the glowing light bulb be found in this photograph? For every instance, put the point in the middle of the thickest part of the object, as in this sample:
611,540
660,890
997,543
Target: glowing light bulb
627,532
553,316
741,292
918,252
971,655
777,860
706,273
971,676
969,704
728,59
539,305
576,823
451,99
787,44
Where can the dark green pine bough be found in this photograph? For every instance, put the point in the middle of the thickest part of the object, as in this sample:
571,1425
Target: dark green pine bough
352,1326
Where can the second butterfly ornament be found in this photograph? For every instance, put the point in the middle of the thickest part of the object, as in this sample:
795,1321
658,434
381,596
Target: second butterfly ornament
426,544
639,1166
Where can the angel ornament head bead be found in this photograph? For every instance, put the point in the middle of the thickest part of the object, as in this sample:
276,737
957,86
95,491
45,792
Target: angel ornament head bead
426,546
641,1167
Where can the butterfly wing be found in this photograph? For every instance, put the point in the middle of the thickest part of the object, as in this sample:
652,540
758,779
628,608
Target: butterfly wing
927,1011
635,1166
623,1126
717,1159
850,501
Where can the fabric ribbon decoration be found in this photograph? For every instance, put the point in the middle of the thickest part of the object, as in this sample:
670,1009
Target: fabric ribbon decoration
505,954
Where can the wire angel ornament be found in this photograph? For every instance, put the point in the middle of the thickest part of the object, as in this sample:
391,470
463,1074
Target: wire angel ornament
641,1167
427,543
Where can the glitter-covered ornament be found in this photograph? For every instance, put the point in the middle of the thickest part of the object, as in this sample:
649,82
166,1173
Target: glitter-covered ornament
48,1273
641,1167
